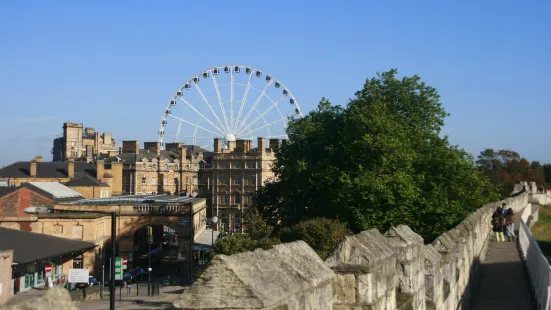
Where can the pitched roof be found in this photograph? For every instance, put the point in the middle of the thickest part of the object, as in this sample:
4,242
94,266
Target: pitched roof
85,180
55,190
170,155
6,190
29,247
53,170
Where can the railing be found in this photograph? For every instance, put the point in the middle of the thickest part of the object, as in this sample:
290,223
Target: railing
539,270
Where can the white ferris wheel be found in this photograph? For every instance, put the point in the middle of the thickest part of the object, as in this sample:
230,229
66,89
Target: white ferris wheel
228,102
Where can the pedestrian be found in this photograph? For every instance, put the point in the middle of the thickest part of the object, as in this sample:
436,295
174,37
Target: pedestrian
510,225
498,223
129,288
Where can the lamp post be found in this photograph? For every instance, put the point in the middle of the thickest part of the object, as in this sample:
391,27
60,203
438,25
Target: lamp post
149,241
36,210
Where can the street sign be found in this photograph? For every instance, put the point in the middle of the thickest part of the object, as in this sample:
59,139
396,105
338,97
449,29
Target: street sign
48,268
79,275
124,263
118,268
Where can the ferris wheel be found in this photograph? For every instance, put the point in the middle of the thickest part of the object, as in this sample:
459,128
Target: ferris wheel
228,102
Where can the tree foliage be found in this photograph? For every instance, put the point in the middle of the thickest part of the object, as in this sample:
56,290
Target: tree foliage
505,168
321,234
378,162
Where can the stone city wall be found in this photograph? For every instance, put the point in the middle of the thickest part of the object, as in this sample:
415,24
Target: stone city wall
369,270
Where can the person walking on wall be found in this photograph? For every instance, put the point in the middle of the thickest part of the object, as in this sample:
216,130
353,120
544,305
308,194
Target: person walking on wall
510,225
498,223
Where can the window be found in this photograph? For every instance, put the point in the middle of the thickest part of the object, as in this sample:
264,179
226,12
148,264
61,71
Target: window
194,180
225,199
237,221
165,181
77,262
187,180
153,180
166,166
237,166
251,165
176,182
238,180
144,181
237,198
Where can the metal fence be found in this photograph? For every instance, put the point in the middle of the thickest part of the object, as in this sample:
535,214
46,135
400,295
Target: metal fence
537,264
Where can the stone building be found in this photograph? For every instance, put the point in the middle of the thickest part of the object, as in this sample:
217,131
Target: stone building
82,144
151,170
237,171
102,180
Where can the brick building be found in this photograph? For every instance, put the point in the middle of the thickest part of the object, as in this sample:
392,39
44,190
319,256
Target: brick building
151,170
83,144
237,172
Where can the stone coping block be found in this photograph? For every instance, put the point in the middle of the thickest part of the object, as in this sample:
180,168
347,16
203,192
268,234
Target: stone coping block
257,280
56,298
361,252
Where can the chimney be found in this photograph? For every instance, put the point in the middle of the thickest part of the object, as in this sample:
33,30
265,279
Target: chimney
274,144
38,158
71,168
217,145
182,154
154,146
33,168
131,147
100,169
173,146
240,145
261,145
107,138
231,146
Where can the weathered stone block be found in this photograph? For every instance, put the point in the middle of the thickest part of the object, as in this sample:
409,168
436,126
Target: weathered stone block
344,287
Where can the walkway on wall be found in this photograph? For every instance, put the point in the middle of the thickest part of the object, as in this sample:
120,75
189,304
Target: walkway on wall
504,282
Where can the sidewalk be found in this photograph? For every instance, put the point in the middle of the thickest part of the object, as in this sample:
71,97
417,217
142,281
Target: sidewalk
162,301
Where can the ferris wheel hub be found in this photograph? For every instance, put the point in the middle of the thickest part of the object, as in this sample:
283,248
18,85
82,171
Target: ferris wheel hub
229,138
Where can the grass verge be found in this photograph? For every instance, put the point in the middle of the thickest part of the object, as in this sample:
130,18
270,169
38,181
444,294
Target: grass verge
542,231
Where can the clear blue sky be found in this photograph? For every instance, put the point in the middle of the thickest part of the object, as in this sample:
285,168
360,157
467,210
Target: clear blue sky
114,64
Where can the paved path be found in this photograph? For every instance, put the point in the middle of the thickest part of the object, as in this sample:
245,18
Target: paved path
162,301
504,282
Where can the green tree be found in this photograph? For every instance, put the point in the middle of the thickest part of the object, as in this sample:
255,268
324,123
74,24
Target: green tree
256,225
378,162
320,233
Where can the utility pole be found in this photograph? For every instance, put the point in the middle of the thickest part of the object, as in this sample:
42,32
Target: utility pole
149,237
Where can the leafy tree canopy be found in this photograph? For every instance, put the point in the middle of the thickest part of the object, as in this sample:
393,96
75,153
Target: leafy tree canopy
378,162
505,168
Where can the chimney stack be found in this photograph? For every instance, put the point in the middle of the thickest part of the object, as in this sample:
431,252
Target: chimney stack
261,145
32,171
38,158
71,168
217,145
173,146
274,144
131,147
100,169
154,146
182,155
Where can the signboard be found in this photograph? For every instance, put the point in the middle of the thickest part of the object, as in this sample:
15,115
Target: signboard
79,275
124,263
118,268
48,268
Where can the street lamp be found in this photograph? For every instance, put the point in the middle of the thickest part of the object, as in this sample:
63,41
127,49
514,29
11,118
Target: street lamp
36,210
150,202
